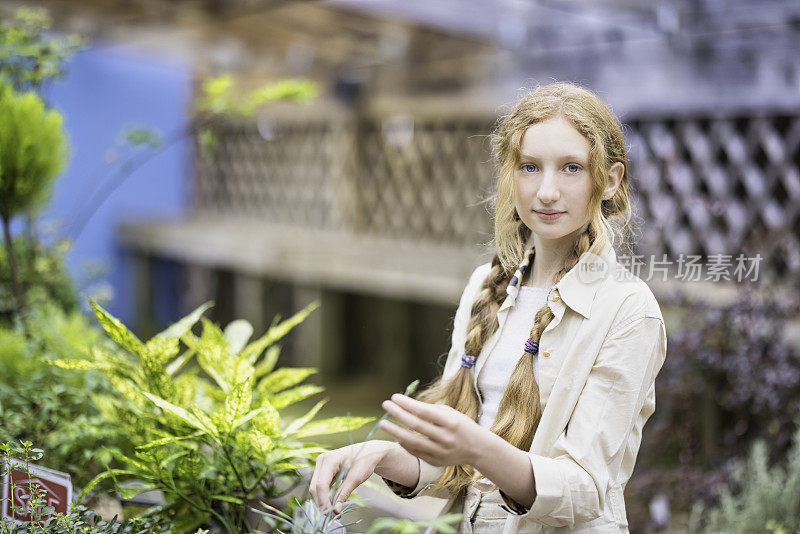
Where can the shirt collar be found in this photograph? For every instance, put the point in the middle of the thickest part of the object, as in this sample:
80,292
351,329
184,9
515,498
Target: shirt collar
578,287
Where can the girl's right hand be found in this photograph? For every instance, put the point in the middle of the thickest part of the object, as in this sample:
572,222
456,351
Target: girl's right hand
365,457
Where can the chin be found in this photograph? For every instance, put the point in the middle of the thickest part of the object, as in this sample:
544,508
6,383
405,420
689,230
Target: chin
554,231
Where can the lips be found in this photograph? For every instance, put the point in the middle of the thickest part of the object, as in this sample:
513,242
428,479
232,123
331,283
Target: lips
549,215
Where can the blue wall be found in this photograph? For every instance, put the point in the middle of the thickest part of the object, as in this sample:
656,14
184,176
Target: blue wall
107,89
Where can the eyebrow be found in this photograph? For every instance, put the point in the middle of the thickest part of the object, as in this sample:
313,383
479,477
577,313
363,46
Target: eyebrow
568,156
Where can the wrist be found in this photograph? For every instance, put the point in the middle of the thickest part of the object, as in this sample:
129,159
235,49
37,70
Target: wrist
385,451
484,449
398,465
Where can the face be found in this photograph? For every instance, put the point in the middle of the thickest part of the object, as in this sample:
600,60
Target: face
552,181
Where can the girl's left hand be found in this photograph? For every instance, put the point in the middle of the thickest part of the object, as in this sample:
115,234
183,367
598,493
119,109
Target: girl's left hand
442,435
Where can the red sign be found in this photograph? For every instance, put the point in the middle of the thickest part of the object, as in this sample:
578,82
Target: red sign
56,490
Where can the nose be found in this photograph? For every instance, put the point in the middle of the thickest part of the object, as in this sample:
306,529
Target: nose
548,190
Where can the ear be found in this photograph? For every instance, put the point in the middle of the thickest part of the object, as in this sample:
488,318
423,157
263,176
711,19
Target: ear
615,174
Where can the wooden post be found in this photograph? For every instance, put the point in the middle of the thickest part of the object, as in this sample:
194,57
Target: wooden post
394,332
199,287
248,301
333,336
143,291
307,349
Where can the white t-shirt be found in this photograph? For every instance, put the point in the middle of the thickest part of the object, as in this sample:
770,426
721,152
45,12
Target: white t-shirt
496,372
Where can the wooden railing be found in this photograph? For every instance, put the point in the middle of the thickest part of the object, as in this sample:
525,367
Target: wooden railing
705,185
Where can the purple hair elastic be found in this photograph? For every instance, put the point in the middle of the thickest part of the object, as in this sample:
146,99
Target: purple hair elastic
532,346
467,361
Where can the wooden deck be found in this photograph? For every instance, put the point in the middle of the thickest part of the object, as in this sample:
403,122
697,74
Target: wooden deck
415,271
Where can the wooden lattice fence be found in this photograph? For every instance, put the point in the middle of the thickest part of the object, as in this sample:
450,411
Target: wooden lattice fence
708,185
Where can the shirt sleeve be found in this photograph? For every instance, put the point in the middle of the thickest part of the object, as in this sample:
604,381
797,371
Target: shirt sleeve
572,483
429,474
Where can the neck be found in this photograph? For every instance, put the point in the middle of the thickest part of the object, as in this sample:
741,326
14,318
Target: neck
551,254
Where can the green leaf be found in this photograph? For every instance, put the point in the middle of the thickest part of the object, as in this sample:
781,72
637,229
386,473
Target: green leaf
297,424
280,454
267,421
227,498
289,465
268,363
189,466
444,523
276,332
283,378
238,401
129,492
176,411
286,89
260,441
333,425
114,364
205,420
116,330
138,464
82,365
296,394
182,326
167,440
160,349
214,356
176,364
411,388
99,478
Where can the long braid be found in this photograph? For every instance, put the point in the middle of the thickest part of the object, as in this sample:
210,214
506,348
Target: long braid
521,396
459,392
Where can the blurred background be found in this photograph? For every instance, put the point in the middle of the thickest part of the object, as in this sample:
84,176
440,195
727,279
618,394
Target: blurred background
195,175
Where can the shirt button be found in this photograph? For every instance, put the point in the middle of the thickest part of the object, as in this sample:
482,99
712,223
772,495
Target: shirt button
546,354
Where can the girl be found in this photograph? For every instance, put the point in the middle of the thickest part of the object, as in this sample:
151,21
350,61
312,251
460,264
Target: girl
537,419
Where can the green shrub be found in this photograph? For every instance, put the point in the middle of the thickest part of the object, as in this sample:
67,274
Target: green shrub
33,151
762,498
208,434
42,274
51,406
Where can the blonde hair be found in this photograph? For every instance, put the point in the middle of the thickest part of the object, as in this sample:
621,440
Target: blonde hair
520,408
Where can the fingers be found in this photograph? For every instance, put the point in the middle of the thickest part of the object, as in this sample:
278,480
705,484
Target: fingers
326,469
413,443
432,413
354,477
413,422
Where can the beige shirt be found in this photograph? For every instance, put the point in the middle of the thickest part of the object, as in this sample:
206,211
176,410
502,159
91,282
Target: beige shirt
598,361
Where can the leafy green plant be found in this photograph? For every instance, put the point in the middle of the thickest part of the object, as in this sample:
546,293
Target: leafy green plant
443,523
78,520
219,97
28,55
33,150
43,275
761,498
49,405
205,420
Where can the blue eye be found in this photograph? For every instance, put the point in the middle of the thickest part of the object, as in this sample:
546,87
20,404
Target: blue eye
578,169
526,167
